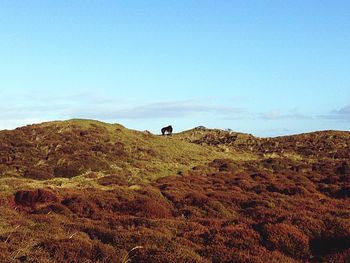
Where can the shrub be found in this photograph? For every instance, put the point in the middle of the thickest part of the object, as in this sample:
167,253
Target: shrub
159,255
80,206
32,197
145,207
66,170
112,180
37,173
287,239
79,250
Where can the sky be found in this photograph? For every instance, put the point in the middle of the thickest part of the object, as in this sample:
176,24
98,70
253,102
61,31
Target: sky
267,68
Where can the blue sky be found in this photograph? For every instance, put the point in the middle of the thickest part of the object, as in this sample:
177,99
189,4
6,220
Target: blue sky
262,67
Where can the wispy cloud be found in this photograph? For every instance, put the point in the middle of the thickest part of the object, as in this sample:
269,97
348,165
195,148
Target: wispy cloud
22,109
31,108
30,111
341,114
277,114
171,109
94,106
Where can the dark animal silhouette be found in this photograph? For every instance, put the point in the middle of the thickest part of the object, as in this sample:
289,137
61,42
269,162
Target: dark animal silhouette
167,130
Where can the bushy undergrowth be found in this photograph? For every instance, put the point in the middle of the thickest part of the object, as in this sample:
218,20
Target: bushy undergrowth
210,215
273,209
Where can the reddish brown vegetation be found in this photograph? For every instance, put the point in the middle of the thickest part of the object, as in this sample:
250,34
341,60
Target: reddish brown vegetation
325,144
215,213
68,250
266,210
65,153
30,199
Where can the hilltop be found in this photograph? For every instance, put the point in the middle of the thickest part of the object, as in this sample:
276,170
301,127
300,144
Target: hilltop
71,148
83,190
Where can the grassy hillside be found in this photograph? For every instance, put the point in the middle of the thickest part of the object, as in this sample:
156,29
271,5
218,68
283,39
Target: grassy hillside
86,191
71,148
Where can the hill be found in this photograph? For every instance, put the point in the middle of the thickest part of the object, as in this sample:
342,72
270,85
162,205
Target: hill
87,191
71,148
